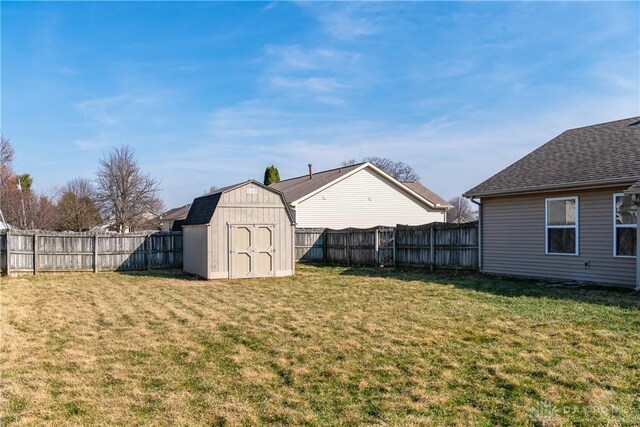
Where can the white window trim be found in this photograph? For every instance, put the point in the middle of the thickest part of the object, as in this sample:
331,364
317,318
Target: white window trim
576,226
616,226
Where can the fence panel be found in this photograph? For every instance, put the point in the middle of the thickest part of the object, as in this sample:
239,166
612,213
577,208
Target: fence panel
58,252
413,247
35,252
3,253
362,247
21,253
310,244
337,246
456,247
436,245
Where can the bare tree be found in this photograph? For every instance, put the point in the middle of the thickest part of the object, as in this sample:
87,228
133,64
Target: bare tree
42,212
462,211
397,169
78,208
6,157
29,209
127,196
20,205
6,151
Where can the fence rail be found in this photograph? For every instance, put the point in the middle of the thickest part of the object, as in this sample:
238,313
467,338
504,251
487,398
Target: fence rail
37,251
436,245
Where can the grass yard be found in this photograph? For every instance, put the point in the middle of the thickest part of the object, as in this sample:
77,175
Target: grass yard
329,346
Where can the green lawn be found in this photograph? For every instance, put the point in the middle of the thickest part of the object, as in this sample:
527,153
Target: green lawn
329,346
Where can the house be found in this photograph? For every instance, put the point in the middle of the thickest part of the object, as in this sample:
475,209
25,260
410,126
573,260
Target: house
173,219
568,210
240,231
361,196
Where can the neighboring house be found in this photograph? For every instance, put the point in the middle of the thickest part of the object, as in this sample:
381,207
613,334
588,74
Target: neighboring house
568,210
150,222
359,196
173,219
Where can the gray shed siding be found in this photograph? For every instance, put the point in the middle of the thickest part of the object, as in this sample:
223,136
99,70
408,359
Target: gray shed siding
206,247
195,250
513,239
238,207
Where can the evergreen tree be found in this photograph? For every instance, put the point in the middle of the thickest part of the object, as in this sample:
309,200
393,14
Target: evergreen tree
271,175
25,181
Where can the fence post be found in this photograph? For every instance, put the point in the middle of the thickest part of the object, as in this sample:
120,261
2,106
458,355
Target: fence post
35,253
148,241
95,253
432,246
8,252
348,247
376,250
395,244
324,246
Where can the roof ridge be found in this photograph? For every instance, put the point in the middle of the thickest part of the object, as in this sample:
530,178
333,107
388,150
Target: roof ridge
324,171
603,123
228,187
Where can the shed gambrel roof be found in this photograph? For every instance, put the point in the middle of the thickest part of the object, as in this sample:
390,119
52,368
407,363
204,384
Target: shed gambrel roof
602,154
300,187
203,207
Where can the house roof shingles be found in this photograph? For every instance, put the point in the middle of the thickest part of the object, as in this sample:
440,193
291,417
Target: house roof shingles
423,191
177,213
592,155
295,188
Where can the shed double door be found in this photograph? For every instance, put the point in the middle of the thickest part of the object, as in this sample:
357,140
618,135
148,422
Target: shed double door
251,250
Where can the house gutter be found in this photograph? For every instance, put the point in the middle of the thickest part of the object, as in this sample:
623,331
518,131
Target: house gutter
479,203
636,198
638,245
569,186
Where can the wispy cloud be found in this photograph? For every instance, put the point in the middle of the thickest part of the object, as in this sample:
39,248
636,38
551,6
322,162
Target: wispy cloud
322,74
293,58
347,21
309,84
103,110
99,142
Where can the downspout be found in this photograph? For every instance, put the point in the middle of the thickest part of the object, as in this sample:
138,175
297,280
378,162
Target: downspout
479,203
637,203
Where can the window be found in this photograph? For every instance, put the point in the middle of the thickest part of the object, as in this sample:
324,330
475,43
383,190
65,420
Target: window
625,226
562,225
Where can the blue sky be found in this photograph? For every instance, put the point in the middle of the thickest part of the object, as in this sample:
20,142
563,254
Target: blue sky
212,93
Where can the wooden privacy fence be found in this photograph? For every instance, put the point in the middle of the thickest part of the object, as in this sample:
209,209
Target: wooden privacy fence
436,245
39,251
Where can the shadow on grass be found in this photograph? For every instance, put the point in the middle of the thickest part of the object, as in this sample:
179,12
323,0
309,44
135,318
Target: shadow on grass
509,287
172,273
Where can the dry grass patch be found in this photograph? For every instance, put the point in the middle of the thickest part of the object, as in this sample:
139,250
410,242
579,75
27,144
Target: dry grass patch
328,346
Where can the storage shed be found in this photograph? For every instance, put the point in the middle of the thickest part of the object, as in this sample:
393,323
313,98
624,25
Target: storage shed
241,231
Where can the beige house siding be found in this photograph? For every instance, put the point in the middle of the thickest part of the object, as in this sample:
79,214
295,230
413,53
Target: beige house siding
513,239
195,250
363,199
